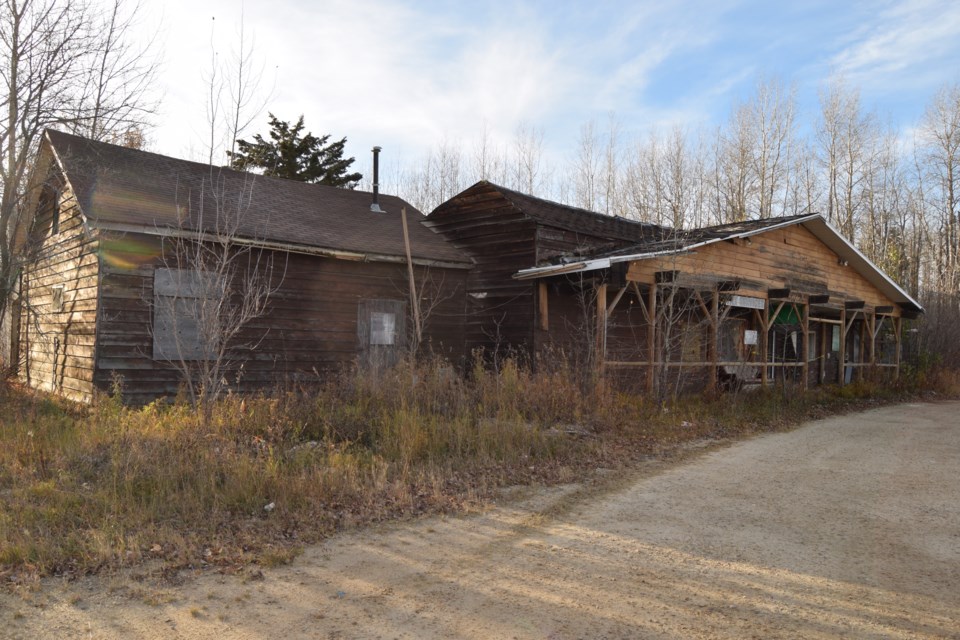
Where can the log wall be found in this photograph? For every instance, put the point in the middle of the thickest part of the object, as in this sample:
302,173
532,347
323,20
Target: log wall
309,330
501,240
57,344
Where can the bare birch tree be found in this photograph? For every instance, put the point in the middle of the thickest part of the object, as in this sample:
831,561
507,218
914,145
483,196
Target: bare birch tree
210,286
528,175
846,136
771,125
940,137
62,64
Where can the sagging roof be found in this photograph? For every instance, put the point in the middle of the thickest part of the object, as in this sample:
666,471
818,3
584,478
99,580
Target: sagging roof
685,241
559,215
130,190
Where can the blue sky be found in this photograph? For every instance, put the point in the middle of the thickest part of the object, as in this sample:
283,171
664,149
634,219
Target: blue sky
409,75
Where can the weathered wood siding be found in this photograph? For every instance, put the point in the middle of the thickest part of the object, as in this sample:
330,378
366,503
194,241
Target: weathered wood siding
310,328
567,322
501,240
57,345
789,258
503,312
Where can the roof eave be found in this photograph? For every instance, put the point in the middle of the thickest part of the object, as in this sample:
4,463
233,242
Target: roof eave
260,243
867,267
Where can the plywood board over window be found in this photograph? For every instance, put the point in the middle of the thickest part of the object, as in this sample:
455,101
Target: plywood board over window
181,300
381,330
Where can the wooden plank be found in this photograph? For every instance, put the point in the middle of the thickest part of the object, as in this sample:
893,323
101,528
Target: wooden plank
652,337
805,344
616,300
713,345
601,320
843,344
544,306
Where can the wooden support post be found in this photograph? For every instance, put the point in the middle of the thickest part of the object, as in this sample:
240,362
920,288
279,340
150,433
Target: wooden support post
544,307
805,345
414,298
616,300
652,338
873,339
601,353
897,329
822,351
714,336
843,344
764,341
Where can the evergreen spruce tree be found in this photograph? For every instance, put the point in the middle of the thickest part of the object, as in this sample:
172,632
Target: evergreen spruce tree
295,155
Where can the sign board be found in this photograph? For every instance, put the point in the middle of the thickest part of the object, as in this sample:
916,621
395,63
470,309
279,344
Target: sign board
746,302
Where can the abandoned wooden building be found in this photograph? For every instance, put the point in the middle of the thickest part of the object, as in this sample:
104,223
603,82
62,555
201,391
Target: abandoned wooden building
110,292
121,243
786,299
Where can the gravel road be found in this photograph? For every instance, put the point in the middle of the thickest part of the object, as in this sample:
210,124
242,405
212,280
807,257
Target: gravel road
845,527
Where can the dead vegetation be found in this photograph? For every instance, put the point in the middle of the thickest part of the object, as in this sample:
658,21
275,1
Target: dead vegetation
90,489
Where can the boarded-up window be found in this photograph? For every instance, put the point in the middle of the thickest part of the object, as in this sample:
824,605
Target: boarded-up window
381,330
182,300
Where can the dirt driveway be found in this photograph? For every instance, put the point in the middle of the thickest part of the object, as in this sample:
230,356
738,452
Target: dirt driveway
845,527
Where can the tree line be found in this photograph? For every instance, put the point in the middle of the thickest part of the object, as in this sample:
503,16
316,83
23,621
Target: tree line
894,193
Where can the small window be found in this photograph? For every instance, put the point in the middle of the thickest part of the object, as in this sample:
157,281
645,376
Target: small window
49,207
56,304
811,345
54,212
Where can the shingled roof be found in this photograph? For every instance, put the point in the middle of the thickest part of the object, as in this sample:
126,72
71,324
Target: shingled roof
127,189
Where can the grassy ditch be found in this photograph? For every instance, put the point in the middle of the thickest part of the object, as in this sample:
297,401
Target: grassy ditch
84,489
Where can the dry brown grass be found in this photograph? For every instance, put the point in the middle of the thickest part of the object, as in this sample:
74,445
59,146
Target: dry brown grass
86,489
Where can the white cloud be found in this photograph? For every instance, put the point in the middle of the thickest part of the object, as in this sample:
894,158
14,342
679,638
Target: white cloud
903,44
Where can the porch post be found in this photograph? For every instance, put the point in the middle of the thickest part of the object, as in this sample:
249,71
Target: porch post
764,341
651,337
601,347
805,342
714,333
822,351
898,326
843,343
544,307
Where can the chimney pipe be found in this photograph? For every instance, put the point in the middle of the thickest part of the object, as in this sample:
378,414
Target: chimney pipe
376,181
